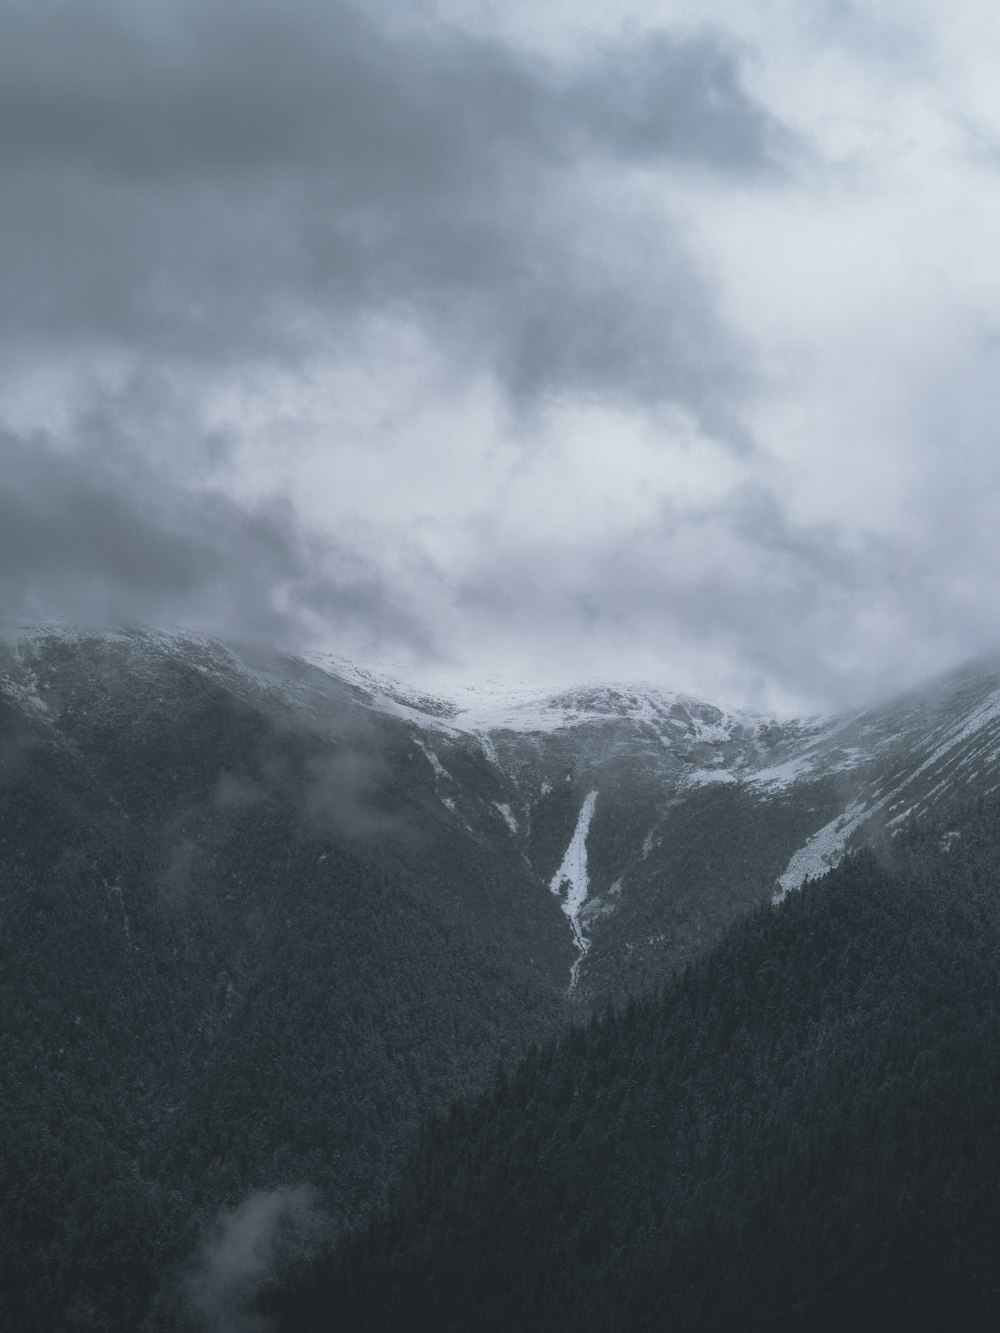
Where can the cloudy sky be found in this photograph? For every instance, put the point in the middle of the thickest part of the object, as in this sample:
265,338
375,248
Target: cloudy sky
549,340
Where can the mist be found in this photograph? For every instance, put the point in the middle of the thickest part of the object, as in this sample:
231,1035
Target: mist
604,343
248,1250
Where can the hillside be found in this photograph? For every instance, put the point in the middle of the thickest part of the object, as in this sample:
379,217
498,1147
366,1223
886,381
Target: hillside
260,916
701,810
239,947
798,1134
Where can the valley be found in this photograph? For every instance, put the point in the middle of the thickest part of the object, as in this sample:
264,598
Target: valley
262,916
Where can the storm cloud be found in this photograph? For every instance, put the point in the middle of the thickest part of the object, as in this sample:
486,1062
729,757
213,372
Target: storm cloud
608,340
219,180
248,1248
98,531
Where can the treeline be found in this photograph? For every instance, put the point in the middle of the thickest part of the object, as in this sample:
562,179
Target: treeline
799,1133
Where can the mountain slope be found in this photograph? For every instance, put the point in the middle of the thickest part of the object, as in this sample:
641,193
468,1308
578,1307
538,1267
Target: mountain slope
241,944
799,1135
701,811
259,915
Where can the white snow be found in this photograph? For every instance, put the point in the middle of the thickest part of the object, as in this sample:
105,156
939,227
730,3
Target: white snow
439,769
574,972
505,811
573,873
545,788
782,775
898,819
384,703
24,691
489,749
824,849
814,756
492,705
703,777
986,712
710,733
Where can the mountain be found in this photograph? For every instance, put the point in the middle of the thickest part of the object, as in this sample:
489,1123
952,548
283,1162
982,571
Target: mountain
261,915
693,811
798,1133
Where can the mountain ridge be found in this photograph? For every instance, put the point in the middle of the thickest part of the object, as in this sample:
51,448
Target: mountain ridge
254,928
510,767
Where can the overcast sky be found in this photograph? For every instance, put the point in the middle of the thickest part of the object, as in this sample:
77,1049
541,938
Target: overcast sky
646,340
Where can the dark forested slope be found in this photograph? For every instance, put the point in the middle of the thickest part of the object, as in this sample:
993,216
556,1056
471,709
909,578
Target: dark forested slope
800,1133
237,953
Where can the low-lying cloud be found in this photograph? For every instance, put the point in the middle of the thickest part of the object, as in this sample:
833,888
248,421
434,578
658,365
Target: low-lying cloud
341,792
222,180
644,347
247,1250
96,531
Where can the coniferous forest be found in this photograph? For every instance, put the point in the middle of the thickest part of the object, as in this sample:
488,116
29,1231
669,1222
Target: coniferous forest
287,1043
799,1133
209,993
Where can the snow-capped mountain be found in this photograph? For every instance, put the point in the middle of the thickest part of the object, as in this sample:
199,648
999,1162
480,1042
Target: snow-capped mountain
702,808
652,816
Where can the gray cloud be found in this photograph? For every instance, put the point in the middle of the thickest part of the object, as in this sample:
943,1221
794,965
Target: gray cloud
101,529
340,791
341,234
235,791
246,1250
733,597
218,86
176,875
222,179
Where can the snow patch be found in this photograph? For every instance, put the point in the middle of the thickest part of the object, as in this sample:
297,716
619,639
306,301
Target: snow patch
439,769
509,819
573,873
494,705
824,850
709,733
783,775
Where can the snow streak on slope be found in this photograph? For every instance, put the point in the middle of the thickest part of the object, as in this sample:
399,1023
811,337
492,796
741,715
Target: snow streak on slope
823,850
962,747
439,769
507,814
987,711
573,873
485,707
489,749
